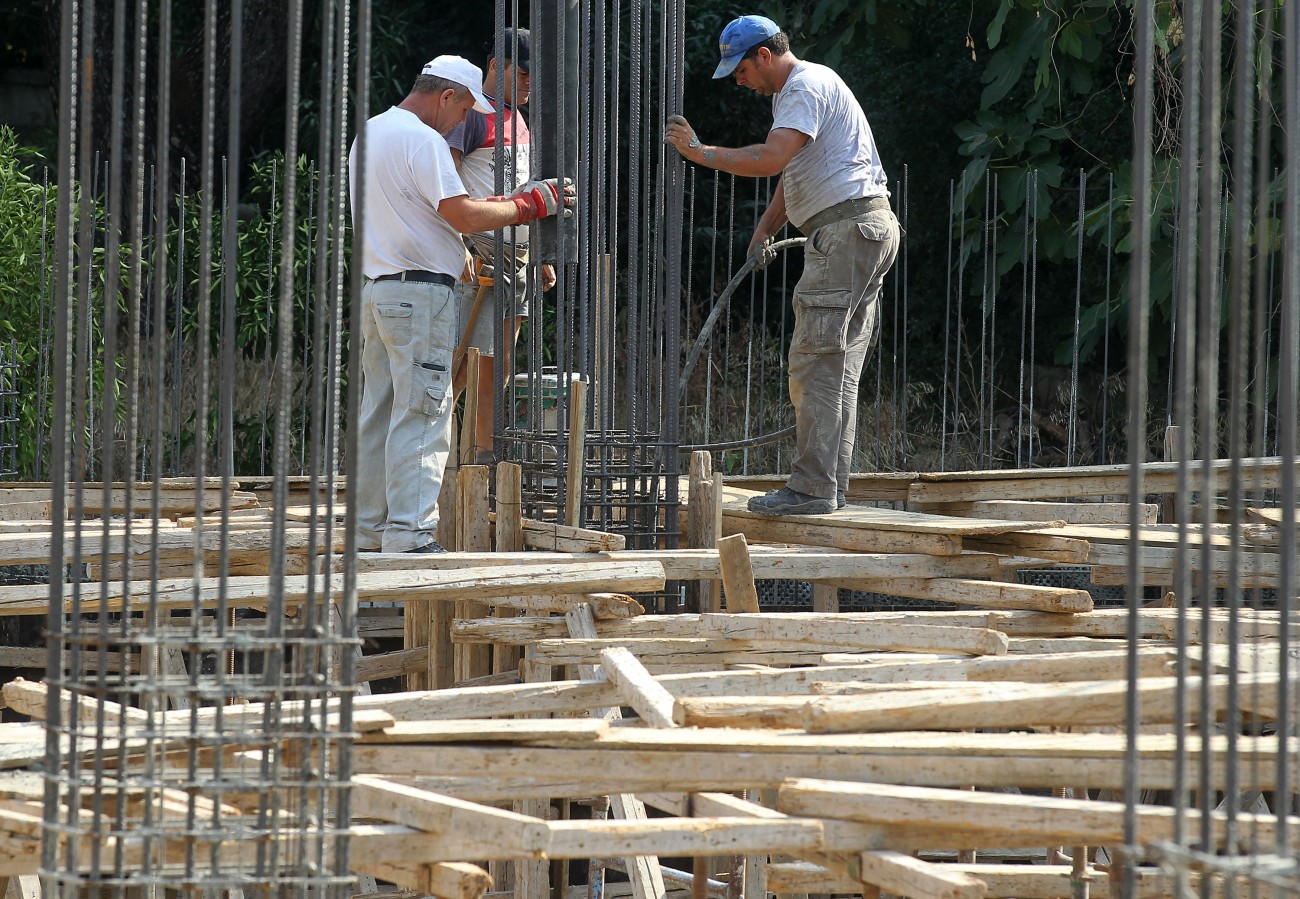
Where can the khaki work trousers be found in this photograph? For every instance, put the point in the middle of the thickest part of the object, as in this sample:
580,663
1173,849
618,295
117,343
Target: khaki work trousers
836,322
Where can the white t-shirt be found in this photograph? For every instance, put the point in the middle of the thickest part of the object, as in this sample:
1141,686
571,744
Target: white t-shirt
840,161
409,171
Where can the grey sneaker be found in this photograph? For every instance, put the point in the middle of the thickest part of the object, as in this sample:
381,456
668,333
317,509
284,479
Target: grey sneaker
789,502
432,547
840,501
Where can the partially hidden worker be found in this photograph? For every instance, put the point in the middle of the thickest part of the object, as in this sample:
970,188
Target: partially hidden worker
410,218
474,148
833,188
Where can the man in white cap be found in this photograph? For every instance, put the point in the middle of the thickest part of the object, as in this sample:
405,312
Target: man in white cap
832,188
411,215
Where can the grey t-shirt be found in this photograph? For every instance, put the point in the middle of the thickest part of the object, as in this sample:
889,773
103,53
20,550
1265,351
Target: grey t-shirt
840,161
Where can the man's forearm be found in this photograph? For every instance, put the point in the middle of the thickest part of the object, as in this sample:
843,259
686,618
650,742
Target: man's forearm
754,161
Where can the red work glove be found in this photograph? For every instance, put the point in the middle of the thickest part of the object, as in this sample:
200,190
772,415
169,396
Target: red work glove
539,199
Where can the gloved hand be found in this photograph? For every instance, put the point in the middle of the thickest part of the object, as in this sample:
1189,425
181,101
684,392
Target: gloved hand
539,199
763,254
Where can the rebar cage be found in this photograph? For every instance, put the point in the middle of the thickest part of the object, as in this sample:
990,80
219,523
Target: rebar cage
199,714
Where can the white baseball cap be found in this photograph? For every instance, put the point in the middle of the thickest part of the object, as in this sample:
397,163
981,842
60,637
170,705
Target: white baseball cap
461,71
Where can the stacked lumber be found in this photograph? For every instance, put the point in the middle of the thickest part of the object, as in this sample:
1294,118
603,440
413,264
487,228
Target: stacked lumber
861,772
974,750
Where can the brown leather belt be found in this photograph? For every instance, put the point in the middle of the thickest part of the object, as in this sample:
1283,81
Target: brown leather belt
841,211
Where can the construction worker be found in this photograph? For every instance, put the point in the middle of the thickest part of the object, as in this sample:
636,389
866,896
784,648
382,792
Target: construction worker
415,211
473,146
833,188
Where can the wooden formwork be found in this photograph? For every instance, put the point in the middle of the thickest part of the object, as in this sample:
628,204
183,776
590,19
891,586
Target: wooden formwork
914,753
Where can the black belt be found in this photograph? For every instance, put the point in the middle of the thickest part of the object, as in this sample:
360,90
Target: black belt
841,211
421,277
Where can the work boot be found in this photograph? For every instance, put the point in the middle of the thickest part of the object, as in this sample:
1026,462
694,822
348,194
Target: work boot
790,502
840,501
431,547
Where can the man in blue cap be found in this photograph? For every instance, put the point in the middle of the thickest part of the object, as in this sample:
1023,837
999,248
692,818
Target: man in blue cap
833,189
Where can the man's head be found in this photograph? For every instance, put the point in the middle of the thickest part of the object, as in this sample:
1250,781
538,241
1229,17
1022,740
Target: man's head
750,46
515,46
447,88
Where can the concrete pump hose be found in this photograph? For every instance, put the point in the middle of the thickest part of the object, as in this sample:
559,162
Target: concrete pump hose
723,298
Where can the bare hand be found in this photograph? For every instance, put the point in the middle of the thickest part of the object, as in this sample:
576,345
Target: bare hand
548,277
679,133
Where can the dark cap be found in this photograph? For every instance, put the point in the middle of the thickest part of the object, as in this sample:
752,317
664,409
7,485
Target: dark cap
515,46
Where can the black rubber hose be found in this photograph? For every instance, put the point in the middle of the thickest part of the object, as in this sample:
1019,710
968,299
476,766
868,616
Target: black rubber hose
723,298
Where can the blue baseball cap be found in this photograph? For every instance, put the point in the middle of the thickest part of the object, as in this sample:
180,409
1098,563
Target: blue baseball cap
739,37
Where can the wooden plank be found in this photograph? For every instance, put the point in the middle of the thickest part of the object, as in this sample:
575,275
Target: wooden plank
26,511
682,836
767,712
698,650
1040,668
637,686
1039,510
1118,576
476,535
823,531
509,539
22,657
978,819
488,584
575,697
564,538
577,421
1103,624
737,574
1032,544
374,797
984,594
904,875
699,519
873,519
788,563
885,486
1001,881
490,773
1020,705
643,871
832,629
36,548
401,663
1092,480
1268,515
450,880
175,497
487,730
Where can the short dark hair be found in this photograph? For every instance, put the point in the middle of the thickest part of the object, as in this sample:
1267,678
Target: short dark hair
433,84
778,44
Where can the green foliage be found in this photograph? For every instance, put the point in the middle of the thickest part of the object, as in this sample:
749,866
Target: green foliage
26,272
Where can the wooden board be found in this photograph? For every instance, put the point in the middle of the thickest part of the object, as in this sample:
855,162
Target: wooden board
785,563
470,583
1090,480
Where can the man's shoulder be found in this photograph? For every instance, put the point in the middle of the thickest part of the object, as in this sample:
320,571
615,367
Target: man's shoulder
814,76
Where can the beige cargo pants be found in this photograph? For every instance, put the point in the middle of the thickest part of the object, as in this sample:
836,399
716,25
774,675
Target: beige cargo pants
836,322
